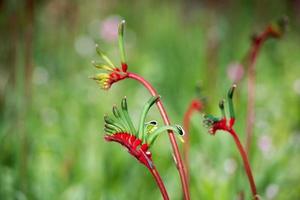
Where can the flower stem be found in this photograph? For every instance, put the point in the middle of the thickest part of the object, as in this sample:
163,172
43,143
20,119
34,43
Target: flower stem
178,160
246,163
257,42
159,183
195,105
251,90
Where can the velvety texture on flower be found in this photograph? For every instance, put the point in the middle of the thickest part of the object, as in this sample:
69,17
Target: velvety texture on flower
120,129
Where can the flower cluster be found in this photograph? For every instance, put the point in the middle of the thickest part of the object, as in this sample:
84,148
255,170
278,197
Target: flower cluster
120,129
215,123
113,74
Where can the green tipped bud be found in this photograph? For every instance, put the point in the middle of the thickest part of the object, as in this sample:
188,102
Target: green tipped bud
124,103
221,106
109,131
230,103
104,56
116,112
127,120
180,130
102,66
108,120
231,91
111,127
121,29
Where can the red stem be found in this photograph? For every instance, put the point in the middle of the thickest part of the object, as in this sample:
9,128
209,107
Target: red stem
195,105
166,120
256,45
246,163
159,183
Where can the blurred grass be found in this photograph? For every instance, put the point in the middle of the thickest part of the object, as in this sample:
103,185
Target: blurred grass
51,140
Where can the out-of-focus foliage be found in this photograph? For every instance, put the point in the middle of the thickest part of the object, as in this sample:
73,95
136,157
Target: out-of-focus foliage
51,128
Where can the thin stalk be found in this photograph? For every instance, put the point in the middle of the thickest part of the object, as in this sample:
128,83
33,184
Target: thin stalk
246,163
186,126
177,156
251,94
159,182
272,31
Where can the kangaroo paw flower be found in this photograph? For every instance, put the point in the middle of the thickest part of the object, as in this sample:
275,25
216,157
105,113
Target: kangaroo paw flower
223,123
120,129
112,73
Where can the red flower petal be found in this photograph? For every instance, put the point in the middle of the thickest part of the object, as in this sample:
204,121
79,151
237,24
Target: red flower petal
134,146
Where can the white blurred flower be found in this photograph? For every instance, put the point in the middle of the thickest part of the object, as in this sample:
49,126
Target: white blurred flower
272,191
230,166
85,46
40,76
235,71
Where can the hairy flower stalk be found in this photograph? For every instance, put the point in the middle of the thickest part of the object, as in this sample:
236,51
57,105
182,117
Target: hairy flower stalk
274,30
195,105
226,124
120,129
114,74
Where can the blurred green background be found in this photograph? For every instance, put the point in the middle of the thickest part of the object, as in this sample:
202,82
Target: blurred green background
51,120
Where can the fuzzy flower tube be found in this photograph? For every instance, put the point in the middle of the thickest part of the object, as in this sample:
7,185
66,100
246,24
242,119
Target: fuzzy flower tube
138,142
112,74
226,124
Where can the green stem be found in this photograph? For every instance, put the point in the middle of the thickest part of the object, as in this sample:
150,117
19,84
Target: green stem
121,41
147,107
151,138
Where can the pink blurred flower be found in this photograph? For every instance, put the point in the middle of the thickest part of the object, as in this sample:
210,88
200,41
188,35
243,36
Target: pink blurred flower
265,144
109,28
235,72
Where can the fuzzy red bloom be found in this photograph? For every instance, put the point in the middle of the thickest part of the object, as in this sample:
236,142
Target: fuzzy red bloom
219,125
134,145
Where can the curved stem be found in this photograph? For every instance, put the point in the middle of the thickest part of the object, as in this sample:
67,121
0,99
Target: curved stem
146,109
177,156
152,137
159,183
251,71
246,163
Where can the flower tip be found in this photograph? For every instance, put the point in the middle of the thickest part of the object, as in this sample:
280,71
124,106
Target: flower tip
221,104
122,24
231,91
121,28
124,103
180,130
